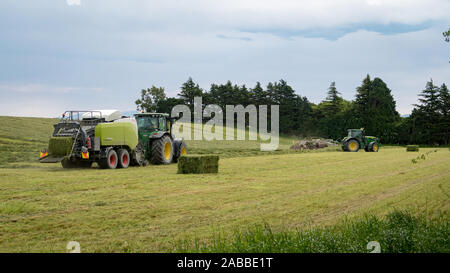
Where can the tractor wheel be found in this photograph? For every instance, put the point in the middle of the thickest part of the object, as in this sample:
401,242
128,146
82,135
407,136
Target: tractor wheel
352,145
161,151
182,150
68,164
124,158
110,162
374,147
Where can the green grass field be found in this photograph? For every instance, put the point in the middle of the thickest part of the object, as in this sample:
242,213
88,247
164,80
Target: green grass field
21,139
43,207
397,232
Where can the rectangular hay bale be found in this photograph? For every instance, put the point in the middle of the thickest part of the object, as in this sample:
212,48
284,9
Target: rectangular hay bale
198,164
412,148
60,146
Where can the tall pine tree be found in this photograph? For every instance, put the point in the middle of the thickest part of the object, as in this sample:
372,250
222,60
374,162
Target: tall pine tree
444,111
333,101
189,90
426,115
375,109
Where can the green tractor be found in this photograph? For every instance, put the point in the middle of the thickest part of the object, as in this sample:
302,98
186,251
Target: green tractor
155,135
356,139
81,138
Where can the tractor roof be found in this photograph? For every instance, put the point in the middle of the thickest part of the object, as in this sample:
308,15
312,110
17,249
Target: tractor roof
151,114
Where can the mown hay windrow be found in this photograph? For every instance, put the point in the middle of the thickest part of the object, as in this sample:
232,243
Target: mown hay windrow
60,146
412,148
198,164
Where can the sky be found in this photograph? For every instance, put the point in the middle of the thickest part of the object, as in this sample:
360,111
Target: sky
57,55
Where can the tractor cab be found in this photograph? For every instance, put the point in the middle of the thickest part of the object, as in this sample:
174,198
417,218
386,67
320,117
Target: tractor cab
152,123
148,124
356,133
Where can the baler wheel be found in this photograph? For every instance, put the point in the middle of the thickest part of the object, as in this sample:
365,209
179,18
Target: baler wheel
110,162
84,164
68,164
124,158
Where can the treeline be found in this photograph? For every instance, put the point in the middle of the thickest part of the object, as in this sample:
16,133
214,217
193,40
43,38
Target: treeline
373,108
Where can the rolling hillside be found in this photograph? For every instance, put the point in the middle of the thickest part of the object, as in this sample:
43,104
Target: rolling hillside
21,139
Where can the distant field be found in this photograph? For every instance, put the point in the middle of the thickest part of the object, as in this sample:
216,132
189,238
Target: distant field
21,139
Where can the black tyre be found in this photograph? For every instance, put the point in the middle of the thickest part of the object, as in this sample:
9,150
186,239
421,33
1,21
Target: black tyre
374,147
352,145
84,164
110,162
138,156
162,151
181,150
124,158
68,164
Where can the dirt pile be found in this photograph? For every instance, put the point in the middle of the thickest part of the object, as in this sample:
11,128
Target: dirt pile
312,144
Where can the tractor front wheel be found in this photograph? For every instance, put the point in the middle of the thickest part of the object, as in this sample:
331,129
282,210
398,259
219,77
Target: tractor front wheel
110,162
374,147
161,151
352,145
182,150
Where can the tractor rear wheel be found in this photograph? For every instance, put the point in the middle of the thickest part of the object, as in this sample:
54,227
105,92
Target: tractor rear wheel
110,162
124,158
352,145
162,151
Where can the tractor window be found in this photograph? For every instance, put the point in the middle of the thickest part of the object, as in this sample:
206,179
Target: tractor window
147,123
354,133
162,124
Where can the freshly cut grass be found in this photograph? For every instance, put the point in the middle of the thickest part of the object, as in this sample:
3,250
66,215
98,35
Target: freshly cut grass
148,209
412,148
16,207
398,232
198,164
